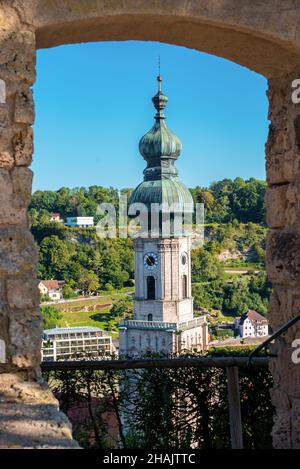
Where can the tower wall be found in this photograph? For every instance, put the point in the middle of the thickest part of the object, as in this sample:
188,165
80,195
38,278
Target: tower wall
172,273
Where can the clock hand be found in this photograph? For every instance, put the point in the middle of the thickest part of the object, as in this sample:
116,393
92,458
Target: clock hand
150,261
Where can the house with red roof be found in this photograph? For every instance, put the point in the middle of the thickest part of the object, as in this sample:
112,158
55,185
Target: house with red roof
252,324
51,289
55,217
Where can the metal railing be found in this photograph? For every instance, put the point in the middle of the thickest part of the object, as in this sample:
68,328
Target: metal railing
230,364
269,340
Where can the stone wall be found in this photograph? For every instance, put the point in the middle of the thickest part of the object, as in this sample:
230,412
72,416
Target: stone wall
263,36
283,252
29,414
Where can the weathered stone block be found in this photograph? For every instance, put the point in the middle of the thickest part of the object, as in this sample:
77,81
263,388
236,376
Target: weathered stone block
24,107
276,203
283,256
284,305
3,116
23,147
17,252
17,56
282,168
295,423
282,429
6,160
12,211
279,140
280,399
285,372
23,293
25,341
22,182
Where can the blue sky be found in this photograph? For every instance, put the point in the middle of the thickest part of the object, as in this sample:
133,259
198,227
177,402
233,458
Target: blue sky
93,103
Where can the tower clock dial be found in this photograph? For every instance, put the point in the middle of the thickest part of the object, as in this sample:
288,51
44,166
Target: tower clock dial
184,258
150,260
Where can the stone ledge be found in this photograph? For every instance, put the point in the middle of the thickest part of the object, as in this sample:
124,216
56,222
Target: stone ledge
29,416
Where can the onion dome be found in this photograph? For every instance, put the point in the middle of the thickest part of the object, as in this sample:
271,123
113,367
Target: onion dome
160,147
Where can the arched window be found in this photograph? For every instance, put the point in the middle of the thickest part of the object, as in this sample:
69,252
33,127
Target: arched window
150,317
184,286
150,288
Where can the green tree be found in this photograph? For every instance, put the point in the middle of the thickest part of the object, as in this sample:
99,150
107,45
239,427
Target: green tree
51,317
121,307
55,255
88,282
69,289
205,266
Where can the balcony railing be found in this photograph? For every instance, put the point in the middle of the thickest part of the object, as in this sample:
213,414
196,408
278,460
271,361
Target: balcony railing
139,324
199,401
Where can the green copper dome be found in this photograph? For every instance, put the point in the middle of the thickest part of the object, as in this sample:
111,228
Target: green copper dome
160,148
169,191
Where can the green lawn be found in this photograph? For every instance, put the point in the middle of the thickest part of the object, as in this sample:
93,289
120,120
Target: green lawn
101,319
225,317
107,299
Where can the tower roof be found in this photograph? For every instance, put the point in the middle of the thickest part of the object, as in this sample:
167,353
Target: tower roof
160,147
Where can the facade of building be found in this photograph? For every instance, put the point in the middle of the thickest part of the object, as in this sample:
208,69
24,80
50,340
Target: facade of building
163,307
55,217
252,324
51,288
80,222
68,342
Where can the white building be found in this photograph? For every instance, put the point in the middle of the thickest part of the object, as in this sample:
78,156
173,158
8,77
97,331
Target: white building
51,288
71,342
55,217
252,324
80,222
163,307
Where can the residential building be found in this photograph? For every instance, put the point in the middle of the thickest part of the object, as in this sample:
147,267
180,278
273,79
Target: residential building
252,324
55,217
70,342
80,222
51,288
163,307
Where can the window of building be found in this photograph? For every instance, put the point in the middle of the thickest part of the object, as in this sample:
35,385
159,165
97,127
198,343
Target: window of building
150,317
184,286
150,288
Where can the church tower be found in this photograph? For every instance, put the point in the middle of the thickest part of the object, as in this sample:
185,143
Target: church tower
163,305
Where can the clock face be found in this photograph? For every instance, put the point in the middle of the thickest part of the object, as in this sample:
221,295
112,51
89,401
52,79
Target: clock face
150,260
184,259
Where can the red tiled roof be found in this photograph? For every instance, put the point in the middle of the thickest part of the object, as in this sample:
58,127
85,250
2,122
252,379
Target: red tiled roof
51,284
255,316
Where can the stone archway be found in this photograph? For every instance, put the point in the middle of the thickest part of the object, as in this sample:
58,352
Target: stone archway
263,36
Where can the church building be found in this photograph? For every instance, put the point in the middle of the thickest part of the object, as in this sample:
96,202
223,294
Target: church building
163,319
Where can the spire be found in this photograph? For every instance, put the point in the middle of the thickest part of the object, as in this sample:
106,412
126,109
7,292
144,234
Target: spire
159,146
159,100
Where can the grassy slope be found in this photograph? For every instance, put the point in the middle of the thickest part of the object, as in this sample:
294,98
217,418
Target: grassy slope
99,318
